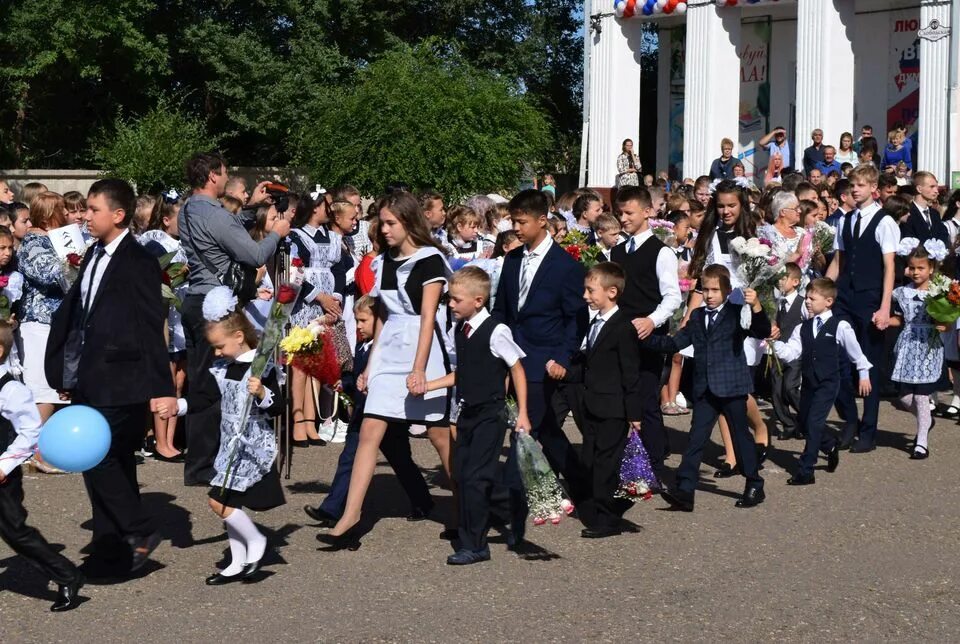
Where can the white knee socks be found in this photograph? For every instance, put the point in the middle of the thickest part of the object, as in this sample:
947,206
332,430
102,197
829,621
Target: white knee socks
246,530
238,553
922,406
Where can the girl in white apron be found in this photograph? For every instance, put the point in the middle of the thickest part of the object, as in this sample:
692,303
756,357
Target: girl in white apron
409,349
729,217
246,472
314,251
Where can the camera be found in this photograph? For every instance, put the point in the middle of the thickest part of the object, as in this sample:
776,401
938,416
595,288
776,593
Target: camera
279,196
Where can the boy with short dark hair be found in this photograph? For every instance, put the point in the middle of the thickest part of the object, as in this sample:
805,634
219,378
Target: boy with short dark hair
19,431
608,368
486,355
785,379
721,381
815,344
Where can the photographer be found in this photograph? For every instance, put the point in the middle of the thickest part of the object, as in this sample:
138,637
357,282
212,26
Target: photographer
216,244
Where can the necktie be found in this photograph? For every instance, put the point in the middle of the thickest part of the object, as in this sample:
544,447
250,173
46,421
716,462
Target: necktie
467,329
631,245
856,226
783,306
819,324
711,316
524,277
926,216
93,274
594,331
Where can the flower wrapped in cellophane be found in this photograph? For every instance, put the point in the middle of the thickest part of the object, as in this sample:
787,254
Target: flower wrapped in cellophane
545,497
637,480
311,350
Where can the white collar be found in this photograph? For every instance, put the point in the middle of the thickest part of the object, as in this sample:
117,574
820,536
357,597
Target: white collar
111,248
791,297
246,357
478,318
541,249
606,316
823,317
716,310
922,209
639,238
868,211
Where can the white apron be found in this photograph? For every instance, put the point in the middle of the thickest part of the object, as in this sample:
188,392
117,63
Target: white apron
391,358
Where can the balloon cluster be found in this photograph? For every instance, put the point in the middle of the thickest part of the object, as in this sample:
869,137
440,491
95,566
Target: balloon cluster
630,8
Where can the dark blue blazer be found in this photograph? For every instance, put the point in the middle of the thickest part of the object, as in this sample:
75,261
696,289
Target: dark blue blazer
553,320
915,226
719,365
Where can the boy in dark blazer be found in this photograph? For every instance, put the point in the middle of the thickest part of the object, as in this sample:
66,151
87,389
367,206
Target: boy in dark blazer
785,379
539,299
608,366
106,350
721,381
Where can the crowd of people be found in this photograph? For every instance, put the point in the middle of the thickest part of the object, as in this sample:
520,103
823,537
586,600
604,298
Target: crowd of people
441,316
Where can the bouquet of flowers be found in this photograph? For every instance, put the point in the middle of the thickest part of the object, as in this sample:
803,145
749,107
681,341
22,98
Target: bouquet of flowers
311,350
758,268
943,299
575,243
545,497
71,269
5,305
663,229
637,480
823,237
173,275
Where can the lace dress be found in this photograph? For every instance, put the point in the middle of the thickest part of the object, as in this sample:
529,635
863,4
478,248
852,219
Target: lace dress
919,351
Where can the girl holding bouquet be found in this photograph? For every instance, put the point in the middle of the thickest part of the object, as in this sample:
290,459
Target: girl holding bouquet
314,251
919,351
408,350
727,218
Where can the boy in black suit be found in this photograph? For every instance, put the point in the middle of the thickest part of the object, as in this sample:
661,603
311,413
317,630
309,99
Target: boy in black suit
721,381
106,350
785,380
608,366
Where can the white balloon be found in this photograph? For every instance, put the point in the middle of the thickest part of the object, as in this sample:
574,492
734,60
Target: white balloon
681,8
661,4
657,8
618,9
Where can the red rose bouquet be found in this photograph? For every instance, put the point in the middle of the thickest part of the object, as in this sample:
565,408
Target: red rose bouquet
575,243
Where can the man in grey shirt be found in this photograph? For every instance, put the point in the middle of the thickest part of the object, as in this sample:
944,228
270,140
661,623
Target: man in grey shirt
210,232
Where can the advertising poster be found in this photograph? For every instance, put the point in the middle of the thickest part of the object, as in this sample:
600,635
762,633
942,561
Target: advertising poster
903,86
754,54
678,38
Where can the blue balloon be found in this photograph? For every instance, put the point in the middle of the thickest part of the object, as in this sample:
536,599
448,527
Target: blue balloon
75,439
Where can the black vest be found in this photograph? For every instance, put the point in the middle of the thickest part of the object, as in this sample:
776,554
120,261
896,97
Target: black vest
7,431
641,295
820,358
480,375
861,268
792,319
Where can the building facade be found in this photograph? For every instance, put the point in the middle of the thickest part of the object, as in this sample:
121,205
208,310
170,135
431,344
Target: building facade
738,68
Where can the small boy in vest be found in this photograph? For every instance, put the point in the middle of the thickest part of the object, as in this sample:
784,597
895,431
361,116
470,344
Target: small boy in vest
816,343
486,355
19,430
785,379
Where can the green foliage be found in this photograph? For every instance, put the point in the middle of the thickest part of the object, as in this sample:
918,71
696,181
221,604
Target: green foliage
150,151
426,117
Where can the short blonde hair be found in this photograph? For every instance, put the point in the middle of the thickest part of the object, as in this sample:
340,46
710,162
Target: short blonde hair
474,279
865,172
365,303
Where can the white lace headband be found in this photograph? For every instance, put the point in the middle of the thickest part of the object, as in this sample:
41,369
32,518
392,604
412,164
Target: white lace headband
219,303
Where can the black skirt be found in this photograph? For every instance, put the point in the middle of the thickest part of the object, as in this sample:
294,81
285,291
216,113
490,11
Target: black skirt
921,389
265,494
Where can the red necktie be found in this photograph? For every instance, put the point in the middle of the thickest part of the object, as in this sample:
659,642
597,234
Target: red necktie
467,329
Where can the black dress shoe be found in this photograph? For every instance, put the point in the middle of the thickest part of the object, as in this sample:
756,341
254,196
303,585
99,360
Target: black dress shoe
833,459
677,499
751,498
220,580
467,557
762,453
68,596
303,443
450,534
349,540
142,549
419,514
861,448
802,479
178,458
251,572
787,435
317,442
919,453
725,471
321,516
600,533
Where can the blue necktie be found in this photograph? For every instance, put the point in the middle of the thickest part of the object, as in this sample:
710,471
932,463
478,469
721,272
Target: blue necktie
711,316
631,245
819,325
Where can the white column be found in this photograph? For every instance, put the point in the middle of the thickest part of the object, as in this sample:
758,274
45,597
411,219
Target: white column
934,94
614,96
663,101
825,72
711,84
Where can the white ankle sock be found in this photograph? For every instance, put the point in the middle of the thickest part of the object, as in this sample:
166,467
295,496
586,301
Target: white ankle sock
256,543
238,553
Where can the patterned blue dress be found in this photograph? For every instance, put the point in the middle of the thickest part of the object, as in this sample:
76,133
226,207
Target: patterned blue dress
919,350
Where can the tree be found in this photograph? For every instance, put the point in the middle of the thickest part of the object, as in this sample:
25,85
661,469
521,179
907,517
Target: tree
424,116
150,151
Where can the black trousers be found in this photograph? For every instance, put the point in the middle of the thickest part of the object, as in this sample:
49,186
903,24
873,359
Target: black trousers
653,434
112,485
480,433
785,390
815,404
706,409
872,342
203,428
603,442
26,541
395,447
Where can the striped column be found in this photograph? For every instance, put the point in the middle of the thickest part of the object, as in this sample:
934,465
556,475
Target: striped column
932,124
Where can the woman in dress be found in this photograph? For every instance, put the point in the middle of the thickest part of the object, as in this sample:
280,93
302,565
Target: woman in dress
314,251
43,291
728,217
846,153
408,350
628,166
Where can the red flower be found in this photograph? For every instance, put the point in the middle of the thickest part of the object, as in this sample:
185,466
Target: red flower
296,262
4,281
286,294
74,260
165,277
574,251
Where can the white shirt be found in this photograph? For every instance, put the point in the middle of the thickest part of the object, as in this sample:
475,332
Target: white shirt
667,277
17,406
532,258
596,325
93,279
502,345
790,299
888,232
793,348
